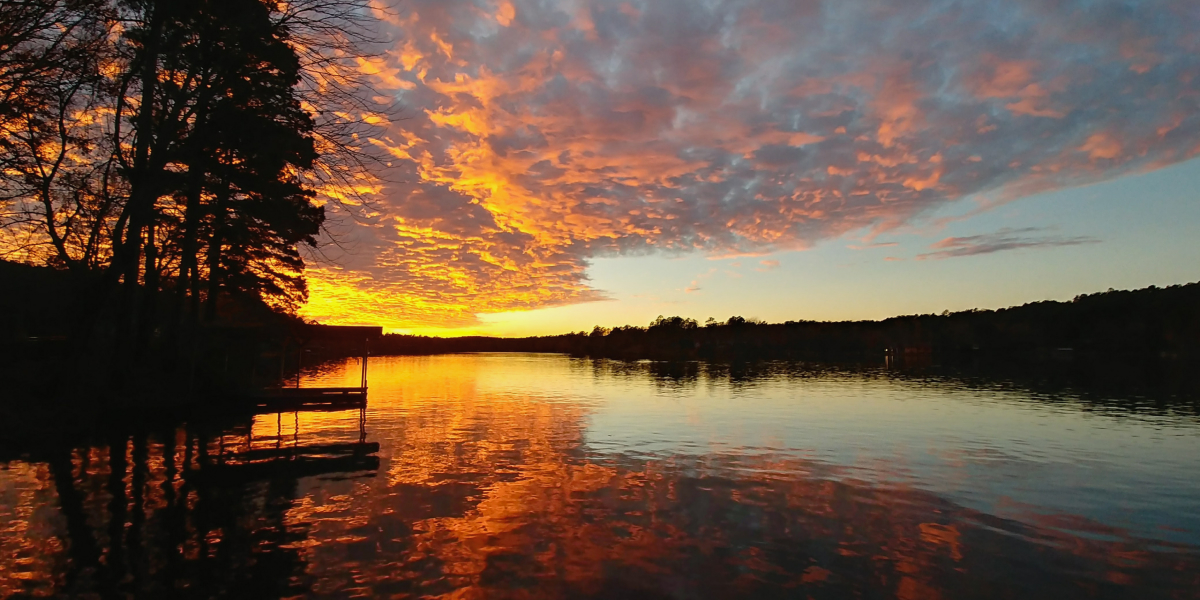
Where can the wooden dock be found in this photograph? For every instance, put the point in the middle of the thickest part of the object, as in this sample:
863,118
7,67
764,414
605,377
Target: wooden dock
293,399
307,399
317,450
263,464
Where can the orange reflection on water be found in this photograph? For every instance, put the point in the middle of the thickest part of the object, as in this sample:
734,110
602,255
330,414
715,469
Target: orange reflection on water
485,484
497,489
26,550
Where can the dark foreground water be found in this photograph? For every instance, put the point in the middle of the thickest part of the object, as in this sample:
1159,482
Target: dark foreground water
542,476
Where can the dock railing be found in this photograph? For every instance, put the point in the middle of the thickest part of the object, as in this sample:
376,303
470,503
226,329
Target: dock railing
318,398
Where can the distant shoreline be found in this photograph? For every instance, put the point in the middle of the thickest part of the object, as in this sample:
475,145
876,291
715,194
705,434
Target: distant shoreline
262,347
1154,323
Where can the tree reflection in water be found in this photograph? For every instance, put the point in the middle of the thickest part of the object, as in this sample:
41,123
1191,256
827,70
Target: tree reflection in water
196,510
477,483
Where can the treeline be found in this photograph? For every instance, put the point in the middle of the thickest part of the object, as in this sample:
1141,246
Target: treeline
1147,323
167,155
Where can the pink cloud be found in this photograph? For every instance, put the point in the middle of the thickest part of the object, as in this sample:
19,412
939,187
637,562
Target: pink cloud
534,136
1101,145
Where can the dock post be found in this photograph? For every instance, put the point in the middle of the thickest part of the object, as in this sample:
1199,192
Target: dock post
366,353
282,359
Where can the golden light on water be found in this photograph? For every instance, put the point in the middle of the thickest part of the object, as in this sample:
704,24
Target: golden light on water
550,477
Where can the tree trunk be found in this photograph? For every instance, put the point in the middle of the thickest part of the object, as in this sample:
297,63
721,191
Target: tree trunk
186,305
148,319
214,254
127,256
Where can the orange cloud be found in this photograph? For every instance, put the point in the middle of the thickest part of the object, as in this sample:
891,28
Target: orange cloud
767,265
1014,80
535,137
1101,145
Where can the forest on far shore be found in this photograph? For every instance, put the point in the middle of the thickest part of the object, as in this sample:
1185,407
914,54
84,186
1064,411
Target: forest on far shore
1159,323
1148,336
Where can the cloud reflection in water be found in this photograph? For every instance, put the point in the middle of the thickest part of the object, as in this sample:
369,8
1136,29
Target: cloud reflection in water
507,476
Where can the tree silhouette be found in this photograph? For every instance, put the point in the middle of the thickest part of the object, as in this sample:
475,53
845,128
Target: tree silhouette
1152,324
167,152
50,52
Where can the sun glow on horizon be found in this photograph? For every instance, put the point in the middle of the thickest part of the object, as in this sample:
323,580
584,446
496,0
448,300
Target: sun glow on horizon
537,141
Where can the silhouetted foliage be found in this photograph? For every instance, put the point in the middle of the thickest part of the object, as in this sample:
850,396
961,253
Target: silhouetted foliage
51,157
167,153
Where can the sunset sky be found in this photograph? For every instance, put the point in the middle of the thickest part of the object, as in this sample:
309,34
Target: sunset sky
558,164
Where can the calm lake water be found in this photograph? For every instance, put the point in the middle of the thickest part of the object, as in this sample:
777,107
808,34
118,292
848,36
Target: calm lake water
543,476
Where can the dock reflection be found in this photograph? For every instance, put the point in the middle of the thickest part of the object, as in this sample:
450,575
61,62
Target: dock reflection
464,480
195,509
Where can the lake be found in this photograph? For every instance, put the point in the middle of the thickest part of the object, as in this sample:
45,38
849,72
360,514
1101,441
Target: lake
545,476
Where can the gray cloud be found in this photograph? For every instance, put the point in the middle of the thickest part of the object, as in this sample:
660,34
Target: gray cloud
539,137
999,241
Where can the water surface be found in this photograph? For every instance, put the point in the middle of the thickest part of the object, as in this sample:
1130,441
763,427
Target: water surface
543,476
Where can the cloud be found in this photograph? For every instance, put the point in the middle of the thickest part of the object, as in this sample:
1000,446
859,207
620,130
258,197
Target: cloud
767,265
539,134
871,246
694,286
1004,239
